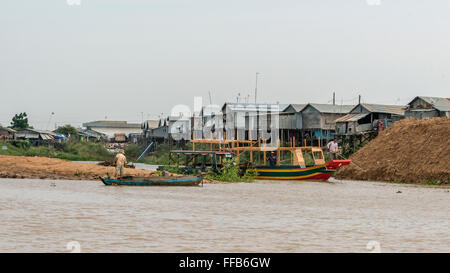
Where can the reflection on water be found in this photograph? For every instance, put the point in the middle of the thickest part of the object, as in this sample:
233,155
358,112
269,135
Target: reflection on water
44,216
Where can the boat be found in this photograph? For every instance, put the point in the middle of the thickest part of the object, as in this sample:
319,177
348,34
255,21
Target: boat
306,162
154,181
298,172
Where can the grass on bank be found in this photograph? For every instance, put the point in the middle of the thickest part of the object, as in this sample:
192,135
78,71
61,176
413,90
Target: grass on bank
70,150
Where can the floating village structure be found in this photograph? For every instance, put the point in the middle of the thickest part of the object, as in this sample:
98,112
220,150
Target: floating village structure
319,121
365,118
7,134
113,128
428,107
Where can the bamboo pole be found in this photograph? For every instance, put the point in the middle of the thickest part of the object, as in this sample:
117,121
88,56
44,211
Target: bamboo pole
278,152
264,156
237,147
251,151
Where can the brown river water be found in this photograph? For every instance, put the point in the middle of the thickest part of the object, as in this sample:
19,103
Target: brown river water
269,216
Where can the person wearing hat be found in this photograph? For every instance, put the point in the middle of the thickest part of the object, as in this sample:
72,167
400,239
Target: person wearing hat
120,161
272,159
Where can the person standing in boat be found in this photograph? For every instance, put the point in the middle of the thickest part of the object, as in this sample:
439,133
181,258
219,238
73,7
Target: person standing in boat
333,147
120,161
272,159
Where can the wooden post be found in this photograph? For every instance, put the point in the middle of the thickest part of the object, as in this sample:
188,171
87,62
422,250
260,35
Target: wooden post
251,152
278,153
193,142
264,154
290,150
237,147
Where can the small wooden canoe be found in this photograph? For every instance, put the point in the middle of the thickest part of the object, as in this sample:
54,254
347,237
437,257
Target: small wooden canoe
154,181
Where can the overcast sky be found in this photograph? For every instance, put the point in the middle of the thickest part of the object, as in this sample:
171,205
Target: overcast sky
121,58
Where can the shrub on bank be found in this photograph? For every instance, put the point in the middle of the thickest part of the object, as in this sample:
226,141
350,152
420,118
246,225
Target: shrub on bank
70,150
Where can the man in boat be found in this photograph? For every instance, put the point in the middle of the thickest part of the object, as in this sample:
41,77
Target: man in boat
272,159
333,147
120,161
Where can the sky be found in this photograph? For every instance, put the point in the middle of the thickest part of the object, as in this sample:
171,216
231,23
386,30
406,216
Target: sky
134,59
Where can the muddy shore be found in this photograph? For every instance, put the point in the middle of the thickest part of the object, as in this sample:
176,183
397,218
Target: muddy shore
34,167
53,168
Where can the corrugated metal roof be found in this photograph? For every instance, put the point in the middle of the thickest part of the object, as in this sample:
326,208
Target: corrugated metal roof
441,104
332,109
297,107
90,133
33,133
389,109
111,124
7,130
234,106
150,124
351,117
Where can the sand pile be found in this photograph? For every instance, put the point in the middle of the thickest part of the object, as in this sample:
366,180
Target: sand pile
52,168
412,150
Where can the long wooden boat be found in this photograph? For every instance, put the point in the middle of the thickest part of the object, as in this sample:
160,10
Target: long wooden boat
289,172
154,181
307,162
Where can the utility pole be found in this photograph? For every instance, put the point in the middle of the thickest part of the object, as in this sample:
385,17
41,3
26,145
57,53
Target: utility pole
359,99
49,120
256,86
334,98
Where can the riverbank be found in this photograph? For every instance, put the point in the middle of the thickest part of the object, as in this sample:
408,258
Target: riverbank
410,151
53,168
58,169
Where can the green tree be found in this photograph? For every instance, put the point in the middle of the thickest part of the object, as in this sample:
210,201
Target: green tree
67,130
20,121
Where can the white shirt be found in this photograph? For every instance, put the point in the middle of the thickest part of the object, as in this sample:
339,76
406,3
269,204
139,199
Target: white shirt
333,146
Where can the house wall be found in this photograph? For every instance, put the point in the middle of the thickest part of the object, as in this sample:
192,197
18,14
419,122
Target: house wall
444,114
424,114
160,132
311,118
328,120
180,129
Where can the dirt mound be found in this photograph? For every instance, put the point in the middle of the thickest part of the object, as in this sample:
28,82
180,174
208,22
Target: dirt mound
410,151
52,168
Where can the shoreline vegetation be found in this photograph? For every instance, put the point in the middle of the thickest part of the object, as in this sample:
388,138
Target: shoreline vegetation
69,150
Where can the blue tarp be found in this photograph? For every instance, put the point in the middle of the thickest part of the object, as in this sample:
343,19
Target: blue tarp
58,136
323,134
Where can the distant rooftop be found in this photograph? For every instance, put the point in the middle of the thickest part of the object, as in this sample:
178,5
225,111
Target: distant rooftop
441,104
332,109
388,109
111,124
296,107
351,117
236,106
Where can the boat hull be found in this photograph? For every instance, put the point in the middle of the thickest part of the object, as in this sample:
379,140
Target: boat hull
156,181
321,172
